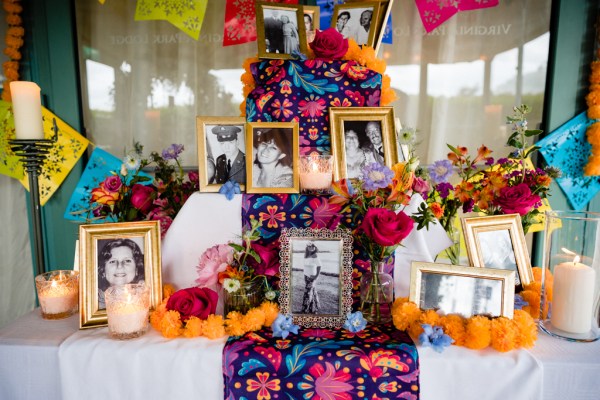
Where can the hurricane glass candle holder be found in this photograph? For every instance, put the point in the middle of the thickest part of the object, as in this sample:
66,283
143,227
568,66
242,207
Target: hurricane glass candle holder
316,172
127,308
58,293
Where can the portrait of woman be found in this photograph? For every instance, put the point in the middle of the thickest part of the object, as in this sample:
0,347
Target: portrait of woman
312,270
273,159
120,261
309,27
356,157
291,40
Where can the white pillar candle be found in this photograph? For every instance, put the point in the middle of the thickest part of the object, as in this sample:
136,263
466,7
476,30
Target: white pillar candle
573,297
27,110
128,318
58,298
315,172
315,180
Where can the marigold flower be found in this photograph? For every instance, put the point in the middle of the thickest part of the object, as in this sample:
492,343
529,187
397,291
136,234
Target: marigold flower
170,325
16,31
505,334
593,98
404,315
478,335
157,315
14,19
235,327
13,54
213,327
168,290
193,327
11,75
594,112
12,7
271,310
254,319
454,326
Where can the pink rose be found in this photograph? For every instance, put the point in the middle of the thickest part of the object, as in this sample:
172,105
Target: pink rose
517,199
193,302
329,45
385,227
112,183
212,261
420,185
142,197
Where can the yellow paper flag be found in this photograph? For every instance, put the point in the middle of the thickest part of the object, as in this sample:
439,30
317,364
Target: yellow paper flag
9,162
185,15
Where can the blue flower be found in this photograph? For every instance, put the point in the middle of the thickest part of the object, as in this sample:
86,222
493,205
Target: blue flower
230,188
440,171
355,322
172,152
520,302
435,338
283,325
376,176
298,55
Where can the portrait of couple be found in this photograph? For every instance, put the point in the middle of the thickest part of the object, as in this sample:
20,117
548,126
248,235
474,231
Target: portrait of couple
363,144
357,23
281,31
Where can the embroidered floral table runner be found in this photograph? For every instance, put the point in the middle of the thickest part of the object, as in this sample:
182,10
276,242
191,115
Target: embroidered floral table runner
379,362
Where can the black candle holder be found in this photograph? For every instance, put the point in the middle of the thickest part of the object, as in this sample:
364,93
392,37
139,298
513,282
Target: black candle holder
32,154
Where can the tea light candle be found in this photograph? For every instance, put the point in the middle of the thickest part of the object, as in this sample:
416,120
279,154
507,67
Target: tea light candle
315,173
128,318
27,110
127,310
58,293
573,296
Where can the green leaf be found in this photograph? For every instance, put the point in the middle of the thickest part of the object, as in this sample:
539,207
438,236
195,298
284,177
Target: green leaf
514,142
236,247
533,132
532,150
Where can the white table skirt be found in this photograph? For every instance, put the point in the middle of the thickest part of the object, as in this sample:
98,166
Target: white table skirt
54,360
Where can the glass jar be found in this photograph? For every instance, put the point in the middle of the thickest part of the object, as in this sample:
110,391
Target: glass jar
248,296
377,294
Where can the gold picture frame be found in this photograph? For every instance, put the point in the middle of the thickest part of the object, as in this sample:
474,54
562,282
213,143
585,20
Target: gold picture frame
96,244
498,241
385,10
303,251
468,291
213,149
280,174
271,31
346,19
314,13
360,120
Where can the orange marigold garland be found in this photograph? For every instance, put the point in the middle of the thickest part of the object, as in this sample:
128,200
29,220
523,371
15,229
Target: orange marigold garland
169,323
593,112
14,41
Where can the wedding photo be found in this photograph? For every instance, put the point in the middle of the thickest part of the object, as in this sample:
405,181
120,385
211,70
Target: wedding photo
281,30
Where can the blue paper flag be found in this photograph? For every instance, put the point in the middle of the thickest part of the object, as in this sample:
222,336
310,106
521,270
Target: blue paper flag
567,148
388,33
100,165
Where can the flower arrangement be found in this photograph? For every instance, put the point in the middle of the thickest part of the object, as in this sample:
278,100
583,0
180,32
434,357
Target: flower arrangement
478,332
329,44
190,313
489,186
130,195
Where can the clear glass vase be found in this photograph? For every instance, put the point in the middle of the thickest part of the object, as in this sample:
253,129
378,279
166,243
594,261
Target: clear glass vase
453,252
249,295
377,294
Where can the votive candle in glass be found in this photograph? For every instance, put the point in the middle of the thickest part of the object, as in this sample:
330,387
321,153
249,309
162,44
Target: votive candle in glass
316,172
58,293
127,308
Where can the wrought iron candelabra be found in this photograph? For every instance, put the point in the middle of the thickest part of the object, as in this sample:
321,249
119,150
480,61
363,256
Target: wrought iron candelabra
32,154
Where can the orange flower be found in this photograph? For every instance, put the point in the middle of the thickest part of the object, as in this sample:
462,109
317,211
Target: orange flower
235,327
482,153
193,327
157,315
403,177
102,196
527,328
168,290
213,327
170,325
478,335
405,314
485,198
254,319
271,310
593,98
464,191
496,180
437,209
594,112
454,326
11,74
17,31
505,334
12,53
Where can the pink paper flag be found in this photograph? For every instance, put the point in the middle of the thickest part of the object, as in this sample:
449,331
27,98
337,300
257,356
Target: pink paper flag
436,12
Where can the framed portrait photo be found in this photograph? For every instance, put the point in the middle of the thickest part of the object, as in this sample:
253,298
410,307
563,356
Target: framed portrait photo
312,15
316,276
116,254
467,291
385,10
361,136
498,241
357,20
221,151
274,150
280,30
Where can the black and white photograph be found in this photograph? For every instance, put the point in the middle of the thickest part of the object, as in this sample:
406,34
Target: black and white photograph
120,261
221,152
274,150
498,241
311,21
356,21
363,145
316,268
113,254
280,29
462,290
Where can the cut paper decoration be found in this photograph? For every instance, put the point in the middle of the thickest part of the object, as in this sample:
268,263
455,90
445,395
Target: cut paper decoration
62,157
101,165
187,16
435,12
567,149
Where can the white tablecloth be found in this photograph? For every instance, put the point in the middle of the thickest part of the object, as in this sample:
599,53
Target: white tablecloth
53,360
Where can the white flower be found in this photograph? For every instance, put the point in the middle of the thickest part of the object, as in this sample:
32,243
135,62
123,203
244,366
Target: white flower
231,285
270,295
131,161
123,170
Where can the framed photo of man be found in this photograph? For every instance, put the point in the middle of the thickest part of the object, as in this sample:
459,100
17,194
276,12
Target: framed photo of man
498,241
357,20
312,15
221,151
116,254
361,136
316,276
280,30
385,10
467,291
273,164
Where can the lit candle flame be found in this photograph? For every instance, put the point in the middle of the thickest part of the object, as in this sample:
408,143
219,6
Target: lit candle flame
576,260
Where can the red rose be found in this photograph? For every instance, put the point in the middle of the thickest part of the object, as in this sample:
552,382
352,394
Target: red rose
193,302
329,45
112,183
385,227
269,259
516,199
142,197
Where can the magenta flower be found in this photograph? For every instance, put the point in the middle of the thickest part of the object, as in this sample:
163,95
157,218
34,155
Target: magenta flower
214,260
325,382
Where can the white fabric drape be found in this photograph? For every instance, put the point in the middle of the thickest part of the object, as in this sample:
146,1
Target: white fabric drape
17,291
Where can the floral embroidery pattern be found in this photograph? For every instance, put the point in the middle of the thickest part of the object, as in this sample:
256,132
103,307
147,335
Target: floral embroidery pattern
337,366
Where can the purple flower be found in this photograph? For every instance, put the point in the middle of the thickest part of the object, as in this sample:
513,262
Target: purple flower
489,161
229,189
172,152
520,302
440,171
283,326
467,206
377,176
502,161
444,189
435,338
